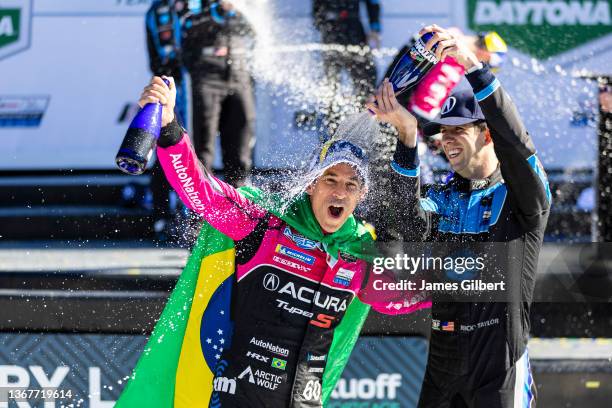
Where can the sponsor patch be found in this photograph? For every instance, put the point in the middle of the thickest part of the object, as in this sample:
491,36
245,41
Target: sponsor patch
270,347
257,357
224,384
447,326
290,264
279,363
261,378
343,277
435,324
312,357
300,240
22,111
295,254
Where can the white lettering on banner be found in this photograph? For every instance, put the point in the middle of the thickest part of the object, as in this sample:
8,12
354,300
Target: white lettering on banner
186,181
95,394
540,12
6,26
384,387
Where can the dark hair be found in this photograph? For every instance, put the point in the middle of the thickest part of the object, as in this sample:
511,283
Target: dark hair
481,125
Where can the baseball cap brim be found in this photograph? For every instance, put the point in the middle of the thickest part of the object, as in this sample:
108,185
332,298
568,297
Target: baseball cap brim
359,168
433,127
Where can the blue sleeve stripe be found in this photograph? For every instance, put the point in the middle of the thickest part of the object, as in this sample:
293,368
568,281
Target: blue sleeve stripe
488,90
535,164
405,172
375,26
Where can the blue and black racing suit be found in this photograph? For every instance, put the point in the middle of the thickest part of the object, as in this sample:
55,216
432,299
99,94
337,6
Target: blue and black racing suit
478,351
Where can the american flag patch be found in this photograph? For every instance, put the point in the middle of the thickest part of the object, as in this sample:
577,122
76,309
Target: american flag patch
448,326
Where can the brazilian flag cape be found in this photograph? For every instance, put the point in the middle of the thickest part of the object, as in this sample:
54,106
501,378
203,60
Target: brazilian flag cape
176,368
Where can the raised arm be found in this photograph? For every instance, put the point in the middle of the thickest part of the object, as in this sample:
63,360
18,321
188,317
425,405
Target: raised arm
520,167
218,202
413,214
519,164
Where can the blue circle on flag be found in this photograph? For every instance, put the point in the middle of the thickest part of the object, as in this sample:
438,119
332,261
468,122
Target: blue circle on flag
216,327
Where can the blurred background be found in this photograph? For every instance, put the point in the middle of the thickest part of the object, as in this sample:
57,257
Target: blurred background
88,254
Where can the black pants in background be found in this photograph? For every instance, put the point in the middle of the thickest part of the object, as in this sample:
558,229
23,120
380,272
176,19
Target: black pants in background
226,108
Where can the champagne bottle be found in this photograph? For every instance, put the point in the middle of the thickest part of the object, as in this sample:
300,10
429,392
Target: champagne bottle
140,139
413,65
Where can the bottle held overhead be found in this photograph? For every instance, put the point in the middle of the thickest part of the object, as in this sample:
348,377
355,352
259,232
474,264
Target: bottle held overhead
413,65
140,139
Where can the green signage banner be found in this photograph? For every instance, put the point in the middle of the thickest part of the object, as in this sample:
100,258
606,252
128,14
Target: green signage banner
9,26
542,28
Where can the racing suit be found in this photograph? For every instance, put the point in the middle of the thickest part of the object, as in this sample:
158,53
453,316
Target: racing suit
477,353
222,90
288,297
339,24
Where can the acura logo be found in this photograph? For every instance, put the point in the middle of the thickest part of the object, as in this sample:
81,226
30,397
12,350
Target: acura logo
271,281
449,105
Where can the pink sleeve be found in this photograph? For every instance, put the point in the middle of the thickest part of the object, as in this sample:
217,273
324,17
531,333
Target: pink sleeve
219,203
389,301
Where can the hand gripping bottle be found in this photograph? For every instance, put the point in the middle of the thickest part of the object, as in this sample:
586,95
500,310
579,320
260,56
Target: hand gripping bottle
428,98
413,65
140,139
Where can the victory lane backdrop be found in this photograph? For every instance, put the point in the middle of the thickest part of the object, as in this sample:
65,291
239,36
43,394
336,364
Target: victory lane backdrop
382,372
95,65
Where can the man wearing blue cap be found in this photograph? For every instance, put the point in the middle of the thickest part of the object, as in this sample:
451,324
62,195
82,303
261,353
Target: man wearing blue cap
497,193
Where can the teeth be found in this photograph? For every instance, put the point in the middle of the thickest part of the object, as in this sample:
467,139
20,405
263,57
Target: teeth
453,152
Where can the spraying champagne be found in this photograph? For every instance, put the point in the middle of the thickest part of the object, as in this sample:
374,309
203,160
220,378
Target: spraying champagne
140,139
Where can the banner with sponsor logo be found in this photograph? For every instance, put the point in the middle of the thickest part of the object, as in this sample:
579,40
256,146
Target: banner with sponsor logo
72,70
542,28
90,370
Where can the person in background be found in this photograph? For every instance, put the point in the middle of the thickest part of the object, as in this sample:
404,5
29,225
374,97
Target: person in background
339,23
163,24
216,37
